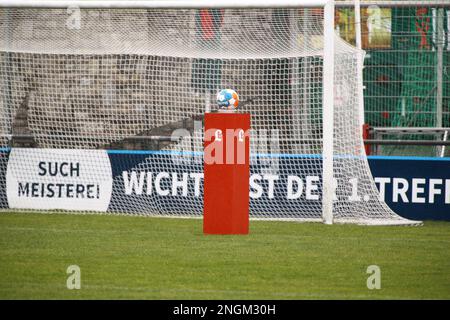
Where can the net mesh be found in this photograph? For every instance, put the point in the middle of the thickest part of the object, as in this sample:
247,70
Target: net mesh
137,83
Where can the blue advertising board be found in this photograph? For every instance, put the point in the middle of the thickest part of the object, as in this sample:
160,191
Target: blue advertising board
414,187
135,181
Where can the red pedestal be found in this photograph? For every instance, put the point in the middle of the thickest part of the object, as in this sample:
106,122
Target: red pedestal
226,173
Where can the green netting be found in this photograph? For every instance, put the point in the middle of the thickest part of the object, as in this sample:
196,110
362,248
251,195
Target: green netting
401,81
412,38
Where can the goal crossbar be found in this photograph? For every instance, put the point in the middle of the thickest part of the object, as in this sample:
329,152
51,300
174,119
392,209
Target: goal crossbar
226,4
169,4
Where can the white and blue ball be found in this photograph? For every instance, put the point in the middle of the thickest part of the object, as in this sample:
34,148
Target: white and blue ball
227,99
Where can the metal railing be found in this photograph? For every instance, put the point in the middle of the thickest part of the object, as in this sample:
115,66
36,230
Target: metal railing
409,137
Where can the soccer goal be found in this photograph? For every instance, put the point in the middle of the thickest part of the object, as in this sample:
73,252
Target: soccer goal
102,106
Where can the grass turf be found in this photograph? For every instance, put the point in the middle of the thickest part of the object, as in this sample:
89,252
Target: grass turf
154,258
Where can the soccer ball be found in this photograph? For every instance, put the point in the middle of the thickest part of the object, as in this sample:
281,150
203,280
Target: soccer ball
227,99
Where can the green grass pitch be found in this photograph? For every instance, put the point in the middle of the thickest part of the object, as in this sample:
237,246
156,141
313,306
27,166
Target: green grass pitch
155,258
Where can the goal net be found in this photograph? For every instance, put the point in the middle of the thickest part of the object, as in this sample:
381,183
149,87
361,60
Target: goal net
102,108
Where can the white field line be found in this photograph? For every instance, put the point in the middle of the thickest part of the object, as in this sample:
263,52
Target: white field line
162,291
96,231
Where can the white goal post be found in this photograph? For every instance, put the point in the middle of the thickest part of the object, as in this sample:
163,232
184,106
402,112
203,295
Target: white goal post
81,77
